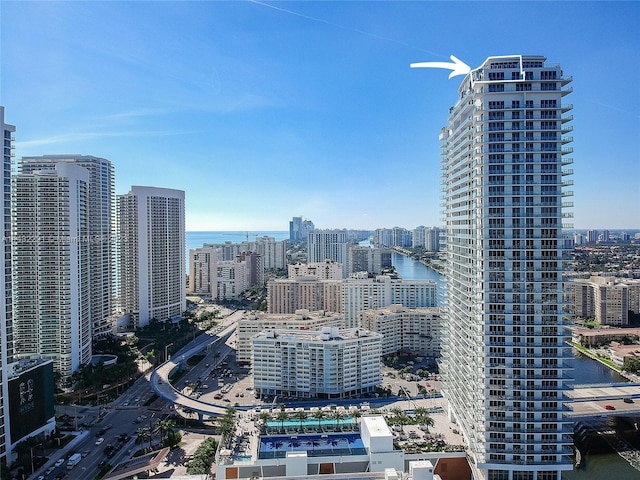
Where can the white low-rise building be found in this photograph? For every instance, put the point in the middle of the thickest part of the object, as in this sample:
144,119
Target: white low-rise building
253,323
329,363
413,330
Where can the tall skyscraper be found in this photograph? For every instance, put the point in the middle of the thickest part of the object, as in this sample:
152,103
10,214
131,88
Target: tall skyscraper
51,267
151,233
6,317
100,234
327,245
507,364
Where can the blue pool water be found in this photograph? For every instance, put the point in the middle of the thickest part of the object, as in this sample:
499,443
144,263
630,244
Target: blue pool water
310,423
314,445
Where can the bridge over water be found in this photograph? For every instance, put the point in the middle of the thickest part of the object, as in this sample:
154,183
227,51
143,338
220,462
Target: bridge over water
604,399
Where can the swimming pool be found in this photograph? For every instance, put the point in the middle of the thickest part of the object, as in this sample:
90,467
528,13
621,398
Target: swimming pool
314,445
311,423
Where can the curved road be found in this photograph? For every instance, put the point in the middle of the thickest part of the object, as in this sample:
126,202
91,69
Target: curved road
159,379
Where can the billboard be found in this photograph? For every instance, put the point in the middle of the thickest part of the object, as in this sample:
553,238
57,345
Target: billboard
31,400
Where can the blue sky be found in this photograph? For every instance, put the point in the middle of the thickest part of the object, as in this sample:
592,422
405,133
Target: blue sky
262,111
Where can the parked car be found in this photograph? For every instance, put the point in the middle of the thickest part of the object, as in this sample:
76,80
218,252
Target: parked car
609,407
628,400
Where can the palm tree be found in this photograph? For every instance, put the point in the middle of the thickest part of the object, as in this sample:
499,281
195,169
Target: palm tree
337,416
423,417
318,415
356,414
301,416
264,418
143,434
164,427
281,417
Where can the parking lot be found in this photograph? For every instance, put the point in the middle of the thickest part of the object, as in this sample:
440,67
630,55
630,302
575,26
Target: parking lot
221,381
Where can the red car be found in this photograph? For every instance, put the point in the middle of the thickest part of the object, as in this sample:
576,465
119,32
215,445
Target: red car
609,407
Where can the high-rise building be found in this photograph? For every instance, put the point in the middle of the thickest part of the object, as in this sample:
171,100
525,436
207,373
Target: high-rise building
327,245
326,270
367,259
101,231
413,330
51,266
592,236
299,229
329,363
151,226
6,302
203,267
505,357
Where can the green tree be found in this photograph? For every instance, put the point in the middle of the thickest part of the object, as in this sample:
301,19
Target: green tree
264,417
631,364
143,435
301,416
337,417
318,415
282,416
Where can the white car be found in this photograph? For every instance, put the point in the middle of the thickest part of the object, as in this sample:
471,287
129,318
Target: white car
59,462
99,441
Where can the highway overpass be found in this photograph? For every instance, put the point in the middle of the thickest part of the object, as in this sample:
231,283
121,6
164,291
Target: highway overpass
160,376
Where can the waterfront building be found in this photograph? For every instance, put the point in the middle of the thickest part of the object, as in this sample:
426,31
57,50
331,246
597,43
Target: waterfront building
367,259
382,237
100,233
203,265
505,360
594,337
51,266
417,331
325,270
252,323
327,363
400,237
432,239
360,293
151,225
327,245
286,296
607,300
6,300
299,229
417,238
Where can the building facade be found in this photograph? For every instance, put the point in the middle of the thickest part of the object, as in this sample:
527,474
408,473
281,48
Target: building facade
607,300
6,301
151,225
367,259
253,323
286,296
506,363
329,363
203,270
327,245
326,270
51,266
365,293
417,331
100,235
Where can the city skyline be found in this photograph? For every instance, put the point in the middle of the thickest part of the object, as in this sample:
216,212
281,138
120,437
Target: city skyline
258,108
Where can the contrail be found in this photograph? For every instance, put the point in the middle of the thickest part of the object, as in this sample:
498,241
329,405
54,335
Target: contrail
350,29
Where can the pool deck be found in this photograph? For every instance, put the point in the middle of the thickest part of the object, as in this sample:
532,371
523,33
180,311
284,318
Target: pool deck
245,446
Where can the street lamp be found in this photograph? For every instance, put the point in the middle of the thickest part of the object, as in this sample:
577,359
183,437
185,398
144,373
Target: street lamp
166,358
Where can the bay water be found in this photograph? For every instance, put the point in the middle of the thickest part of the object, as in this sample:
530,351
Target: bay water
586,371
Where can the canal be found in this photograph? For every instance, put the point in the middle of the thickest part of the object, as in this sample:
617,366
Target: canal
586,371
